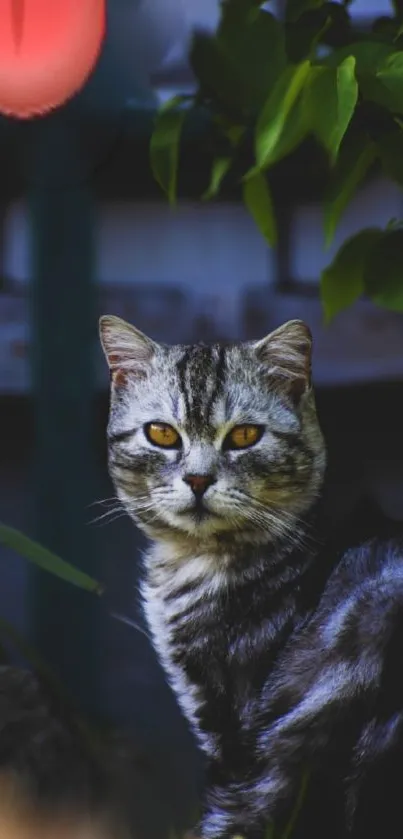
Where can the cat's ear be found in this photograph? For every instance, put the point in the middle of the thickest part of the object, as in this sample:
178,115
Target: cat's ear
286,354
128,351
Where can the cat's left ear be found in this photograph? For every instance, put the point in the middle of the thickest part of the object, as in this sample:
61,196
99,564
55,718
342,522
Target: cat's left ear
128,351
286,354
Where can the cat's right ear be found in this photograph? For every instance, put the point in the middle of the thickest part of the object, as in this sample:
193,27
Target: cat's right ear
128,351
286,357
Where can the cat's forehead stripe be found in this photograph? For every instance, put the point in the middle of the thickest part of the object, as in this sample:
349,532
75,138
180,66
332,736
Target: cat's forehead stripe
182,370
201,379
219,380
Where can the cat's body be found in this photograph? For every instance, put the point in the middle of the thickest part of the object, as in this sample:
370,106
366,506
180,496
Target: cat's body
283,649
275,678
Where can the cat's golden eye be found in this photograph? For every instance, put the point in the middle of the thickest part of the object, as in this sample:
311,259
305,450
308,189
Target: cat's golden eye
163,435
243,436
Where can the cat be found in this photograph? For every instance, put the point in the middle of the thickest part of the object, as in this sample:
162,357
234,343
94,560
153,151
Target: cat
283,646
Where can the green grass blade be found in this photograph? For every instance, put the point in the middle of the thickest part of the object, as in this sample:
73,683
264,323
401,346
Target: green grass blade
289,829
47,560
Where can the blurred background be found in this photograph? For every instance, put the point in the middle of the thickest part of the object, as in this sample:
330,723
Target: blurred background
85,231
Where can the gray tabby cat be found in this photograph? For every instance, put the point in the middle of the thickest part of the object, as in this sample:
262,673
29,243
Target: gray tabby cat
282,649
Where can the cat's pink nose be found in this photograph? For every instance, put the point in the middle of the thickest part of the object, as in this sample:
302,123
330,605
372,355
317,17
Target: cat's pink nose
199,483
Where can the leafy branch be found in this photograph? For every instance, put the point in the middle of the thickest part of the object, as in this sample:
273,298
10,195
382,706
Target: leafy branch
271,86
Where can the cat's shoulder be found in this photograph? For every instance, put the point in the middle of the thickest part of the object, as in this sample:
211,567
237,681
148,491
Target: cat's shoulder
373,557
375,564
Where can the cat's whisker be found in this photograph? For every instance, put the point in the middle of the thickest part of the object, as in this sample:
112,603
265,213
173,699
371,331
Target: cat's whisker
113,503
107,513
103,501
279,522
108,517
130,622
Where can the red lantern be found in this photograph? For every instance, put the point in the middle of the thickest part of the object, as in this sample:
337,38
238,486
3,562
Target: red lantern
48,49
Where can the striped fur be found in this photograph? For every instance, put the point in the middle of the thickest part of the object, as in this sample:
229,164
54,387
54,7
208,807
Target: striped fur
285,651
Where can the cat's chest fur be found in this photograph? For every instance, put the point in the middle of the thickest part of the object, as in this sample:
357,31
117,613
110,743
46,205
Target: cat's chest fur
177,595
216,638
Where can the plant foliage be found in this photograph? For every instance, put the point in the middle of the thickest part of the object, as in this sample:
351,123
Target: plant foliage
46,560
269,85
53,564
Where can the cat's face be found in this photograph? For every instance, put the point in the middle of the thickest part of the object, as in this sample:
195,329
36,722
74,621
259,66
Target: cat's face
208,441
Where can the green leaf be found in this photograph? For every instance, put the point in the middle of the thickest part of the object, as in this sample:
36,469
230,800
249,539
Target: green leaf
378,70
235,134
214,73
394,224
254,44
236,67
369,56
391,77
342,282
303,36
383,277
296,8
273,117
347,93
47,560
219,170
164,145
385,28
258,200
391,153
330,97
294,132
355,159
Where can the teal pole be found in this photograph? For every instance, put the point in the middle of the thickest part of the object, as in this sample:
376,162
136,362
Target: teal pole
65,620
